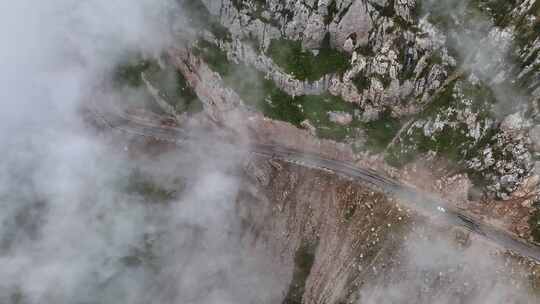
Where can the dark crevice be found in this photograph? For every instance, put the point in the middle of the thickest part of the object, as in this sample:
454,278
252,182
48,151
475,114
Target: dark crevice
303,262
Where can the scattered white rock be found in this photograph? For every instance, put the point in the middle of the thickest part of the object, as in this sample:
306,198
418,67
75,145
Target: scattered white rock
341,118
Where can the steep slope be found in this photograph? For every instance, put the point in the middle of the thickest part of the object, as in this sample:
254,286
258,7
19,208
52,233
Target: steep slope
454,80
344,243
449,83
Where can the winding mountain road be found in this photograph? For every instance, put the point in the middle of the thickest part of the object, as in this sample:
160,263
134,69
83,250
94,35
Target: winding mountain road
422,201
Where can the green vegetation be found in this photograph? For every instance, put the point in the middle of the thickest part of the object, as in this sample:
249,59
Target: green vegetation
418,10
174,89
251,85
213,56
303,262
241,4
190,101
349,211
452,140
129,73
444,100
255,9
361,82
201,19
139,184
526,32
263,95
170,82
365,50
405,57
332,11
434,58
478,178
259,9
303,64
449,142
385,79
381,131
387,10
534,223
498,9
316,108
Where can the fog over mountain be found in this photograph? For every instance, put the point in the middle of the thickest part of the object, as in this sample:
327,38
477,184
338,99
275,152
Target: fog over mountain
411,88
68,227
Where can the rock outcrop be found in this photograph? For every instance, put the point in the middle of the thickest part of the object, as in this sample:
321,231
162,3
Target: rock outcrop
382,36
448,78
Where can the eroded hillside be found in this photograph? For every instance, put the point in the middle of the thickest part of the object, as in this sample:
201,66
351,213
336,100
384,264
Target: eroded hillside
346,243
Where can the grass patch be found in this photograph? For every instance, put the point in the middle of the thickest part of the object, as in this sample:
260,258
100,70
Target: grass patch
316,108
174,89
448,142
214,57
171,84
129,73
381,131
303,64
264,96
452,141
252,86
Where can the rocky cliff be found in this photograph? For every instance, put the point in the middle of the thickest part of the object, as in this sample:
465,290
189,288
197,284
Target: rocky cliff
458,79
454,82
